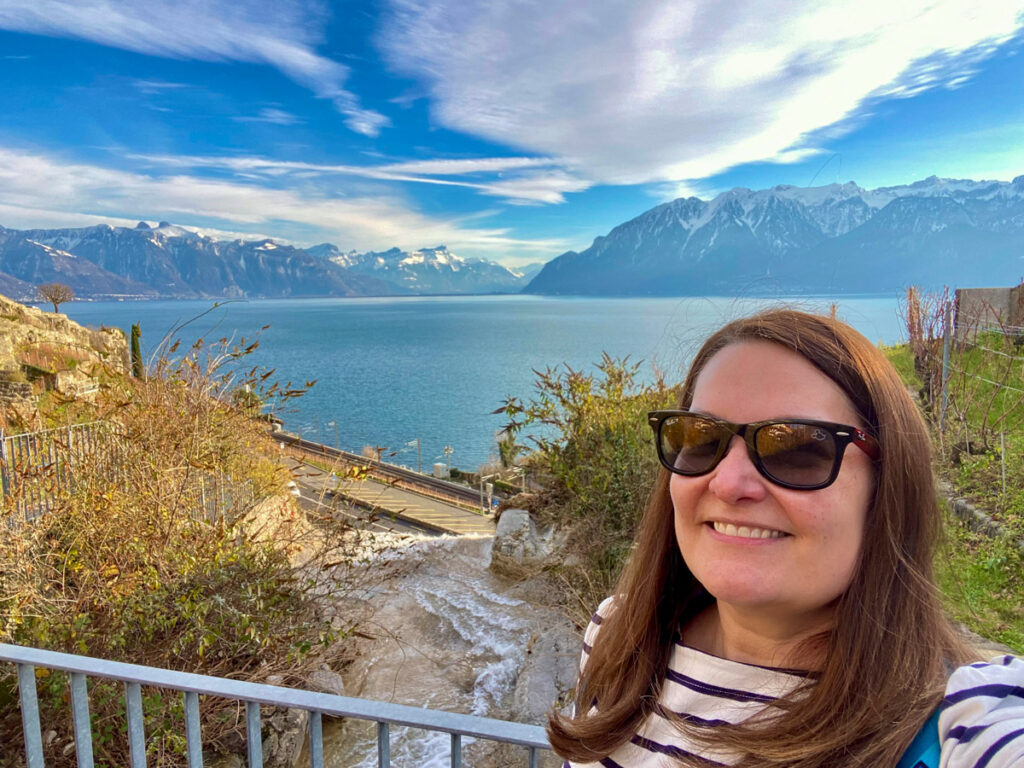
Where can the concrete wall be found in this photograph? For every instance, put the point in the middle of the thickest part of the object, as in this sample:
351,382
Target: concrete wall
980,308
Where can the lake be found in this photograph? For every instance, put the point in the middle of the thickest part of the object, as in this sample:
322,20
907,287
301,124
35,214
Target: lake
391,370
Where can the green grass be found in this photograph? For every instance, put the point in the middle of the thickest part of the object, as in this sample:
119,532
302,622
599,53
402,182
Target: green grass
981,577
982,581
903,361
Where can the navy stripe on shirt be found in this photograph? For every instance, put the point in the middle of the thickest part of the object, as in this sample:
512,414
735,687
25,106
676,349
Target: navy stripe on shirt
964,734
994,749
669,714
995,690
666,749
715,690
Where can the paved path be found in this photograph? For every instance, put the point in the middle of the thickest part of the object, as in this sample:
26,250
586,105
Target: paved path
400,505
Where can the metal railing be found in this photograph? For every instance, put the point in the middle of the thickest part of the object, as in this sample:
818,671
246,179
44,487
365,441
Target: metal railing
35,466
134,676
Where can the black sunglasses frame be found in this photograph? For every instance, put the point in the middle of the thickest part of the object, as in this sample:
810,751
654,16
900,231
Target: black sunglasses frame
842,434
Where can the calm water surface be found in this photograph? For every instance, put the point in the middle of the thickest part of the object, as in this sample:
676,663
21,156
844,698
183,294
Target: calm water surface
391,370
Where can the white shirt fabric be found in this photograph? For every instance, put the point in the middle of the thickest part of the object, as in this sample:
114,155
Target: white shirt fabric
981,724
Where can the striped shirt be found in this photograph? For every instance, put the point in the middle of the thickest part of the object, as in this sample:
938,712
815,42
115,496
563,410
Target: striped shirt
982,720
981,725
699,688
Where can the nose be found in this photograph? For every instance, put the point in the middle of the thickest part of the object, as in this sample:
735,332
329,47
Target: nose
736,479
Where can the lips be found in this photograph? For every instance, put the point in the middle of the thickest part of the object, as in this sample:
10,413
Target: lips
747,531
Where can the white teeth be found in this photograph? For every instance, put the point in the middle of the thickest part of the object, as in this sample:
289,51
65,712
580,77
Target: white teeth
746,532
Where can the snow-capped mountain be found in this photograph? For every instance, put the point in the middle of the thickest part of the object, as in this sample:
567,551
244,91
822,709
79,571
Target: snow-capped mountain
836,238
428,270
172,261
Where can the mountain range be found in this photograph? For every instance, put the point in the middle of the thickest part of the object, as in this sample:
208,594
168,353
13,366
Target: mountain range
838,238
170,261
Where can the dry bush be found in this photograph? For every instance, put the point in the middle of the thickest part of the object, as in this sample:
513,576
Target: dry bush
924,315
130,565
595,459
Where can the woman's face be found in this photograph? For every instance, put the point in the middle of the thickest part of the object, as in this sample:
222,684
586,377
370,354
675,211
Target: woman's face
808,560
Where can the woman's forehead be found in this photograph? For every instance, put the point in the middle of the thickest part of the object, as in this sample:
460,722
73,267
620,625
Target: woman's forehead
754,380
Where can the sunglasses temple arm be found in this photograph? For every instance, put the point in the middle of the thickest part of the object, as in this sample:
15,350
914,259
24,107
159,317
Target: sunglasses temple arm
866,443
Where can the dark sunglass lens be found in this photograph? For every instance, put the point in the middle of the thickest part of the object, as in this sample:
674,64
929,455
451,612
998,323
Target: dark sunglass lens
690,444
796,454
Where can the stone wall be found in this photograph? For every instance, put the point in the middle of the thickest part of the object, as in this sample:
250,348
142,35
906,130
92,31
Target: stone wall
16,394
52,341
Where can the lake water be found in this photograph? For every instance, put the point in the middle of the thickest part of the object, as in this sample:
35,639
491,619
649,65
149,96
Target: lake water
391,370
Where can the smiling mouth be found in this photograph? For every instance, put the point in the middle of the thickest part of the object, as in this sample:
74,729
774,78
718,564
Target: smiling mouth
747,532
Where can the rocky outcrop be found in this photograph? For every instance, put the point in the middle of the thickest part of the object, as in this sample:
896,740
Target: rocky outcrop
53,352
521,546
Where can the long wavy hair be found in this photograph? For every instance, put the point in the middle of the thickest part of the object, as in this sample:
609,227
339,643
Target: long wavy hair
884,662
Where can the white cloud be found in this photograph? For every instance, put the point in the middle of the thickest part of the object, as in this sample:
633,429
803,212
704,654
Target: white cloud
37,190
657,90
519,180
279,33
270,115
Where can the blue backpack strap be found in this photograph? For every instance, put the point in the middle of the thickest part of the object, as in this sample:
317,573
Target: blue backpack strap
924,750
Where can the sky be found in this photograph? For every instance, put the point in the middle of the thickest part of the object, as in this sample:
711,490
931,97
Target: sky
511,130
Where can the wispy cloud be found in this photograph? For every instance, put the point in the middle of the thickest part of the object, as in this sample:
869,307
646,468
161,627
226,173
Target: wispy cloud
661,90
157,86
519,180
37,188
279,33
270,115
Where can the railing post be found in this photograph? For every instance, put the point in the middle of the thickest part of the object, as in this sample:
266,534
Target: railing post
193,731
316,740
80,715
136,729
4,481
30,715
945,367
253,737
383,744
456,750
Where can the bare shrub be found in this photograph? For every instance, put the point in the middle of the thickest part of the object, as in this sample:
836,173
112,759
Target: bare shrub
131,565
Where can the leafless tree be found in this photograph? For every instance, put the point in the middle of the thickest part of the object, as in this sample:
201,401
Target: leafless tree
55,293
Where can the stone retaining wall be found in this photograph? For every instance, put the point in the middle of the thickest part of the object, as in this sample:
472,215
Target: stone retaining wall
16,393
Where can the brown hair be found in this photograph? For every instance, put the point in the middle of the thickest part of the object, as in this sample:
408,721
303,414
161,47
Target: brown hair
885,661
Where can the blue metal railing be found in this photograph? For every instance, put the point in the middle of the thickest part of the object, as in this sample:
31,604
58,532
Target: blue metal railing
134,676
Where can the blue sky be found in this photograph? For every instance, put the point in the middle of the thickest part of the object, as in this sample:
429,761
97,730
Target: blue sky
508,130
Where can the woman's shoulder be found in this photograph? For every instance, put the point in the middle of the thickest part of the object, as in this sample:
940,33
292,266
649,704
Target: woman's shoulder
982,717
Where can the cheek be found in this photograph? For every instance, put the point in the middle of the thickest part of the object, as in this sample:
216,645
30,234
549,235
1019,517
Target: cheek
683,491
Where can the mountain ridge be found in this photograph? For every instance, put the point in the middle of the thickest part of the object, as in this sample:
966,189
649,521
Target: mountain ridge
837,238
168,261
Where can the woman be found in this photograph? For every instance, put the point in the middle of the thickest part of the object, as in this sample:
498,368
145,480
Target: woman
779,608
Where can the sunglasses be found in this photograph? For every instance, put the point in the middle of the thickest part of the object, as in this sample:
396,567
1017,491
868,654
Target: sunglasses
794,453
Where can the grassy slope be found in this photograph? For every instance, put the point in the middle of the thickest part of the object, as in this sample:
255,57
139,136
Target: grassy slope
982,578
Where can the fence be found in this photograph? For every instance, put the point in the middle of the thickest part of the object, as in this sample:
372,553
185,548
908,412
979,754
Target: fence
36,466
252,695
